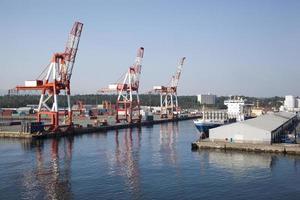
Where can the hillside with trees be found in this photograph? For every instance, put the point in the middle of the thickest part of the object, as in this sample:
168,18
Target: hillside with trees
15,101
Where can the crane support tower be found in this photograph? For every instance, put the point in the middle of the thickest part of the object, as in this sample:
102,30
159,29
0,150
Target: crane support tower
128,102
168,95
54,79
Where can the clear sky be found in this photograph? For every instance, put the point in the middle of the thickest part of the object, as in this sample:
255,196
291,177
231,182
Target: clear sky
232,47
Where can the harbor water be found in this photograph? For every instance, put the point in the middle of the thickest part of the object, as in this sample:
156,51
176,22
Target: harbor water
153,162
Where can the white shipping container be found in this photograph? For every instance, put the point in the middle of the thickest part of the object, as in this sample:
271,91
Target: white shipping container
157,87
112,86
32,83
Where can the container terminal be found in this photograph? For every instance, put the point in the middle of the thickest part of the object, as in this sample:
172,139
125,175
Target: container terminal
47,119
55,81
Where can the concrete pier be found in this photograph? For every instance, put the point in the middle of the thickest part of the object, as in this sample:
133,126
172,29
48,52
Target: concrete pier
11,134
85,130
293,149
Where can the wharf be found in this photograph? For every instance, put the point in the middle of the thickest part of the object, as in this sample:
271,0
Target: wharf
76,130
293,149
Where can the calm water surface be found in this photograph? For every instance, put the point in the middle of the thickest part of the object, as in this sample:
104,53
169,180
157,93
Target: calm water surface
148,163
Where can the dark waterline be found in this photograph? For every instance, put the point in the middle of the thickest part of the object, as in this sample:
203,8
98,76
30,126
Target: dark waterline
148,163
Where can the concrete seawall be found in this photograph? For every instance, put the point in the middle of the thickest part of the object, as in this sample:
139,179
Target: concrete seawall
86,130
293,149
6,134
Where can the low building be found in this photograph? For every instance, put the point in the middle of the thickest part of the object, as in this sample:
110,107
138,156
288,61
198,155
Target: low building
215,115
207,99
267,128
8,112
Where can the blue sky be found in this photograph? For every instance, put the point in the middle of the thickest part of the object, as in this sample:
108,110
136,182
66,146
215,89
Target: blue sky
232,47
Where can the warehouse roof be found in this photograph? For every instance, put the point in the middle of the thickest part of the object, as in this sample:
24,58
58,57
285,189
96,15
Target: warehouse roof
270,122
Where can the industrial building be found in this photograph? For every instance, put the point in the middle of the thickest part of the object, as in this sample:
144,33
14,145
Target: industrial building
267,128
207,99
291,104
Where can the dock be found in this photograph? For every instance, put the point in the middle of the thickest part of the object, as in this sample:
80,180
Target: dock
283,148
79,130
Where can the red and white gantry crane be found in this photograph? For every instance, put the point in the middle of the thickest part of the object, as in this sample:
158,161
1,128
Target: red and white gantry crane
56,79
168,95
128,102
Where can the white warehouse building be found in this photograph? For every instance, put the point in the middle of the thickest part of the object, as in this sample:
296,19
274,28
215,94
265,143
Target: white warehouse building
264,129
208,99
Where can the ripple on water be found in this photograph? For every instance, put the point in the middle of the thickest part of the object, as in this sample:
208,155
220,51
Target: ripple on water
150,163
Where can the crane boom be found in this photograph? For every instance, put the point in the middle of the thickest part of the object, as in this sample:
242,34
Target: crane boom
136,68
72,47
176,77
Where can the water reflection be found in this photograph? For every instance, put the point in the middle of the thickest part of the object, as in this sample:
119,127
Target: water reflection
235,162
136,164
239,161
50,178
168,139
126,159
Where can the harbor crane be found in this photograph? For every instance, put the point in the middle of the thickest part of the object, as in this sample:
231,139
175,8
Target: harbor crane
127,88
55,79
168,95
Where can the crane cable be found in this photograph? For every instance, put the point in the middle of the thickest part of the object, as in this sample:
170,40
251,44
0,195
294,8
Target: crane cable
43,72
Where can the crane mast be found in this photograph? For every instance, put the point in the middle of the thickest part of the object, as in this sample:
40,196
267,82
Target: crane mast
168,95
56,80
128,102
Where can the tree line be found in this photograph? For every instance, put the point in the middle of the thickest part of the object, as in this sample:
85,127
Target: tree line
15,101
